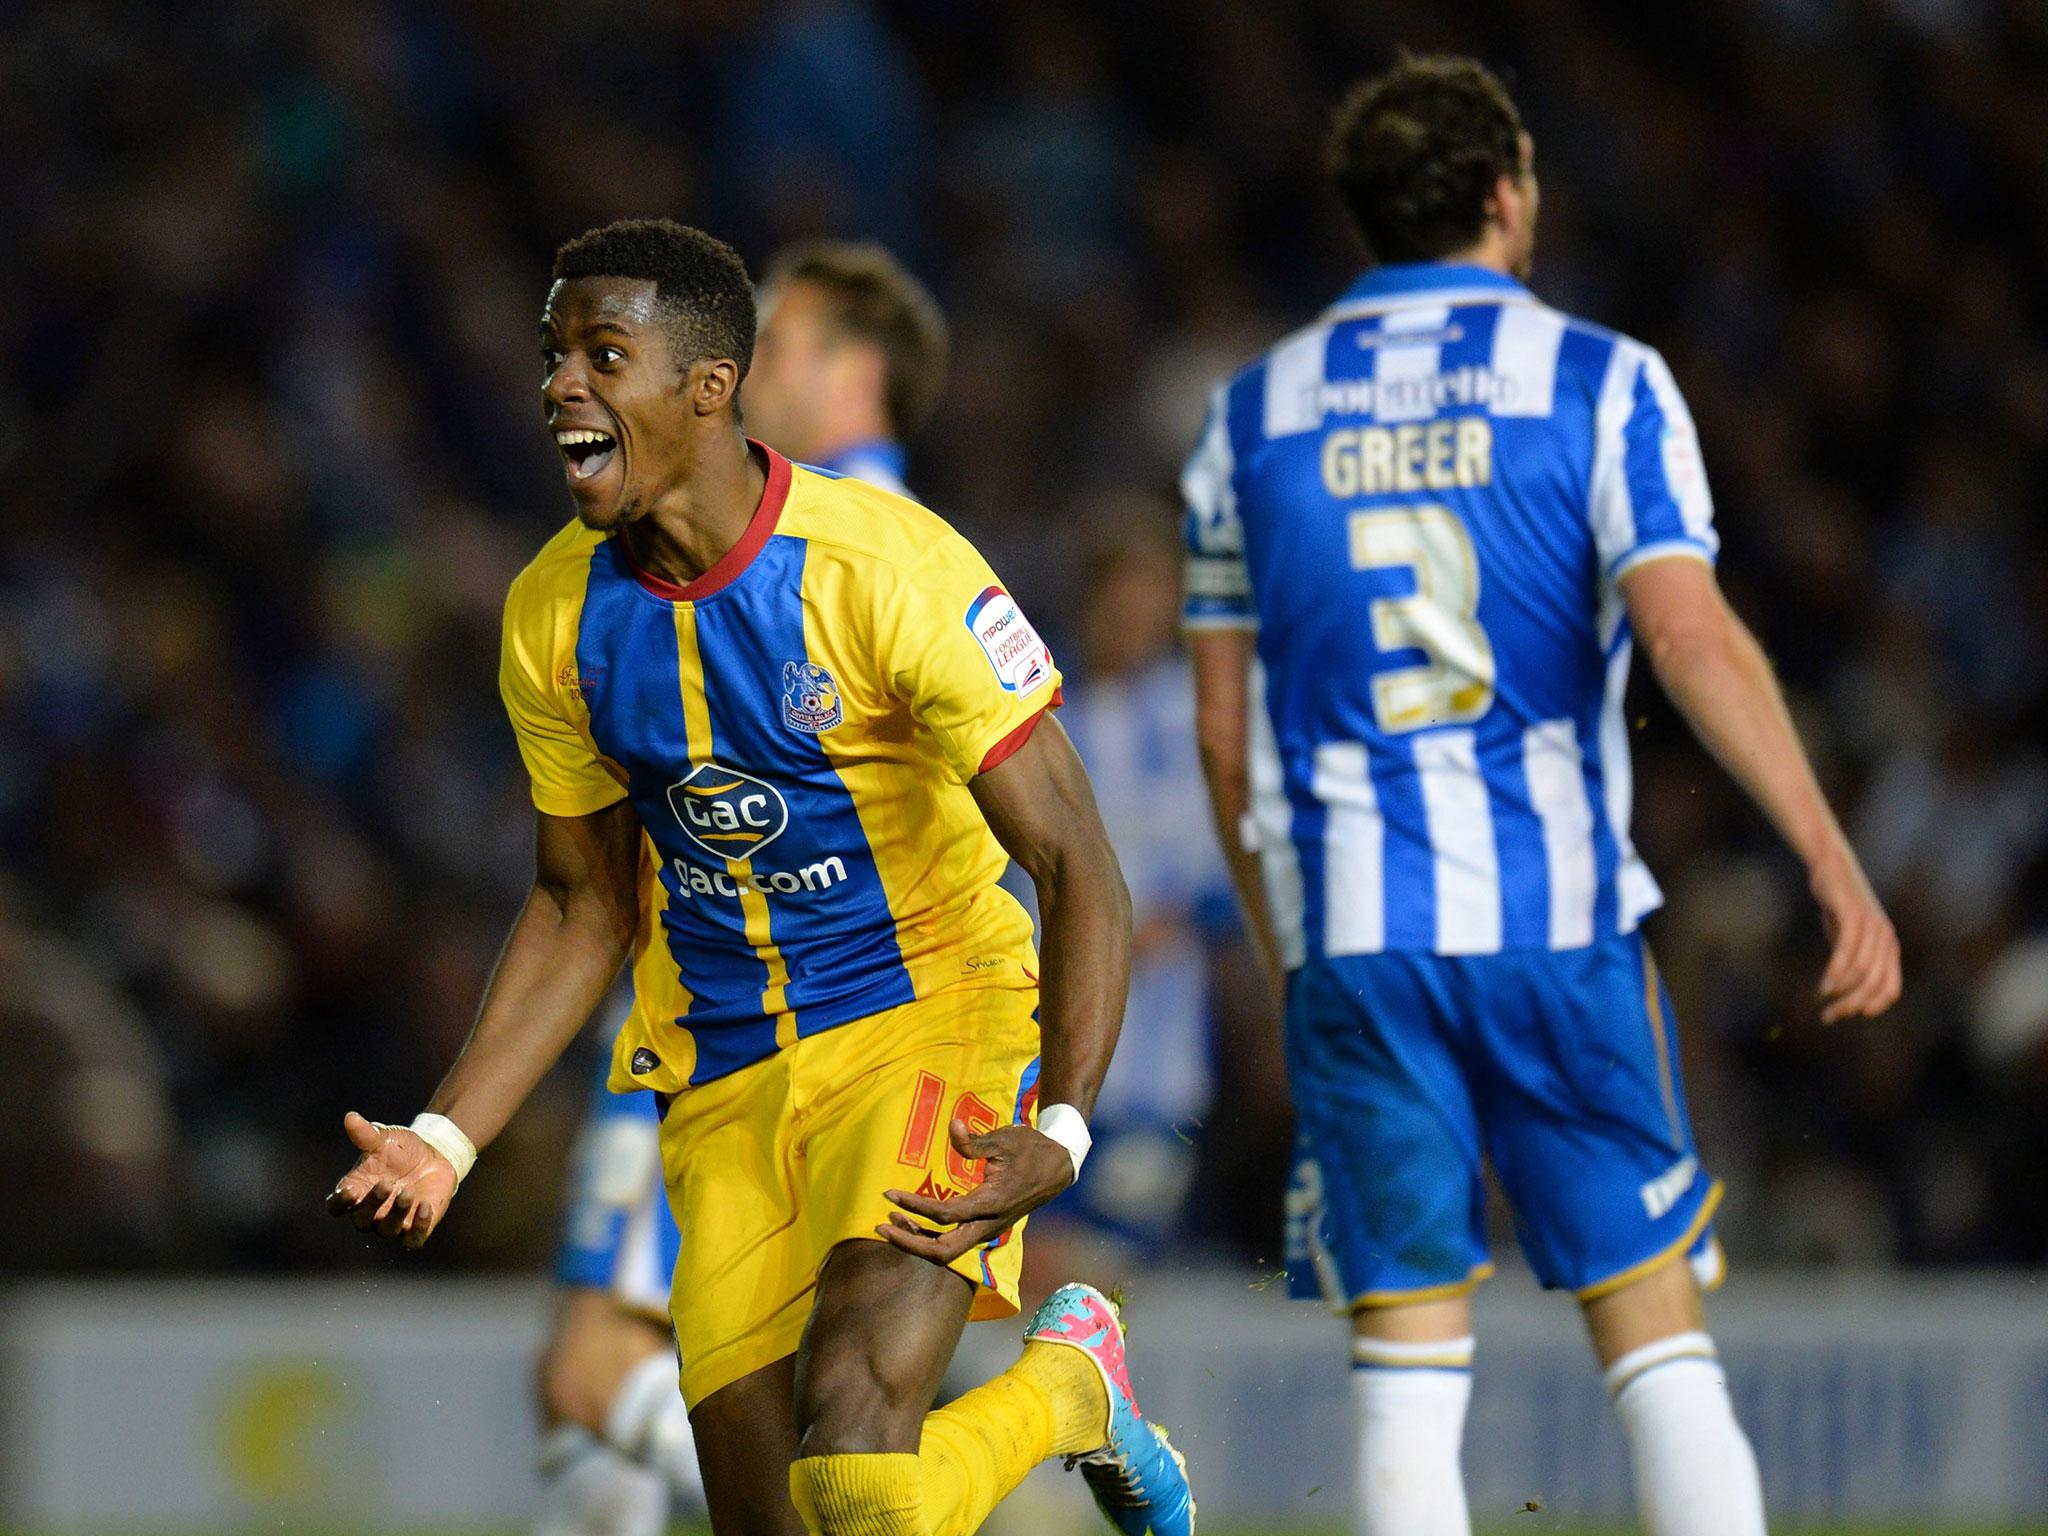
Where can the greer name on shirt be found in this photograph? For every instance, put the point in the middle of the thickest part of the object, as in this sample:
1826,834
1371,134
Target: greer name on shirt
1453,454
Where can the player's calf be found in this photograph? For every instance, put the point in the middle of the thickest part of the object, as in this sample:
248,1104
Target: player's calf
1069,1394
1695,1473
1411,1380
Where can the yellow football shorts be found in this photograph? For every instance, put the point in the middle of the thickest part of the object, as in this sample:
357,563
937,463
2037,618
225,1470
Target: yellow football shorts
771,1167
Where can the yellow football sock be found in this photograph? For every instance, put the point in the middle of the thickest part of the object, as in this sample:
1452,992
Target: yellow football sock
1076,1392
878,1495
980,1446
1052,1402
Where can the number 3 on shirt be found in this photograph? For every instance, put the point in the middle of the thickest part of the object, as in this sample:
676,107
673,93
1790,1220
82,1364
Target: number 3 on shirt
1440,618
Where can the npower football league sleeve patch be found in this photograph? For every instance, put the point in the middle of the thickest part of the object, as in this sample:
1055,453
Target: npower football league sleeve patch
1021,659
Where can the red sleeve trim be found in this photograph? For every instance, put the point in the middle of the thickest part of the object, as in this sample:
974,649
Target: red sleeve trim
733,563
1008,746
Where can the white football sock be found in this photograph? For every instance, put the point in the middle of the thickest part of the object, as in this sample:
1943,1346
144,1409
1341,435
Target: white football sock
1695,1472
588,1489
1411,1423
649,1423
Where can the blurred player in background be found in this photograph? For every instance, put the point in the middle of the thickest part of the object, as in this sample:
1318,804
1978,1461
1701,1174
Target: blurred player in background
618,1458
849,358
829,720
850,361
1127,708
1427,526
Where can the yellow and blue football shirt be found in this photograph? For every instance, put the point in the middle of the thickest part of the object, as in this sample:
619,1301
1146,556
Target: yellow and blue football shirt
796,730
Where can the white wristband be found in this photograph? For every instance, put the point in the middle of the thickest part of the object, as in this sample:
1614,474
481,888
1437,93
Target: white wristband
1066,1125
446,1138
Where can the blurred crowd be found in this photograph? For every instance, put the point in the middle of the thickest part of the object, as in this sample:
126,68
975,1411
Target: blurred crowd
272,455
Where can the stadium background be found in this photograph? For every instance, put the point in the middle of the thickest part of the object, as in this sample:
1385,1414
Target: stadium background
272,456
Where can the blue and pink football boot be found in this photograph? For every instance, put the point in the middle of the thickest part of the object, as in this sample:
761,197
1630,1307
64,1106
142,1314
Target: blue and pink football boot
1139,1480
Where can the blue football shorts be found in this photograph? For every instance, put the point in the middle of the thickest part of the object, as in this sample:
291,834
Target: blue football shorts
1560,1067
618,1234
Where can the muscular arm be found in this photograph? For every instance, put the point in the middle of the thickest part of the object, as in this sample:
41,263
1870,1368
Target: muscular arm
1039,805
1223,703
565,947
567,944
1041,809
1714,671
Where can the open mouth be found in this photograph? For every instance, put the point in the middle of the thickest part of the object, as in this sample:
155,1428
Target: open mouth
587,451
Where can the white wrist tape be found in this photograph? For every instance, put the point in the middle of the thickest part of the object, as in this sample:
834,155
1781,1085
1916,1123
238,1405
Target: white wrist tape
446,1138
1066,1125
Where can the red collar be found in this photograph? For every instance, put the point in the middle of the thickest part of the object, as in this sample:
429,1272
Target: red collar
733,563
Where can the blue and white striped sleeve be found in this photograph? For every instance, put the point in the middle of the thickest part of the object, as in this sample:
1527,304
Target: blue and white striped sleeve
1219,585
1649,493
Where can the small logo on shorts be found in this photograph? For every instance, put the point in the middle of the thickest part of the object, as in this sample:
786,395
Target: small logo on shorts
810,698
932,1189
644,1062
1663,1192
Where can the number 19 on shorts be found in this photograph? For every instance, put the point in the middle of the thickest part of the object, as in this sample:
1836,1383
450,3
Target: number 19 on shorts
924,1125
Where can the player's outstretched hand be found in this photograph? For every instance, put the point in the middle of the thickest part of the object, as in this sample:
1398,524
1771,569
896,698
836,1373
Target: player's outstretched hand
1023,1170
399,1185
1863,977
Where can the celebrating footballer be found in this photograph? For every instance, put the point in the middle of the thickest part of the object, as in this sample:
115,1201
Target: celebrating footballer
783,730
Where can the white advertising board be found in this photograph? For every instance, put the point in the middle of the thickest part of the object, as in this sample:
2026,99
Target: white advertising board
381,1405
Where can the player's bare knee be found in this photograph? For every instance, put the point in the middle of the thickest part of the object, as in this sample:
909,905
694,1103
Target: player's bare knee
564,1395
884,1325
1414,1322
570,1389
860,1402
595,1346
1661,1304
857,1415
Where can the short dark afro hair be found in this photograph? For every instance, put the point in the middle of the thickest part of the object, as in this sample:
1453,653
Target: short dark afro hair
1416,154
700,283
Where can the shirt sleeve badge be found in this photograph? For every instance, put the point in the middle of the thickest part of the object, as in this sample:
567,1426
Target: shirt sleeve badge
1020,658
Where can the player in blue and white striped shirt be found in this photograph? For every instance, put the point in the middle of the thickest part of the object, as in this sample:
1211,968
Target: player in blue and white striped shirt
1425,532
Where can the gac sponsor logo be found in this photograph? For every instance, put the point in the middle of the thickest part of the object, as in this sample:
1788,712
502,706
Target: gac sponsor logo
1012,646
727,813
693,880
